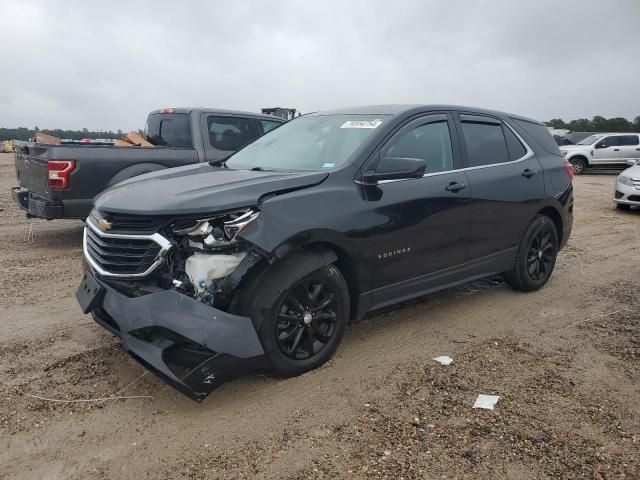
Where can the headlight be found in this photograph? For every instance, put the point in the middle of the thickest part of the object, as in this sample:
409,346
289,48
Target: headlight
233,227
625,180
219,230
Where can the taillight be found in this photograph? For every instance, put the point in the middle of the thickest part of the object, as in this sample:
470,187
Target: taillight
59,171
569,169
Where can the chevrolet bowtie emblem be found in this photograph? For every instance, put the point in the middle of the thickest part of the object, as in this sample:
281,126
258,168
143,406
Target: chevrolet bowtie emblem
104,224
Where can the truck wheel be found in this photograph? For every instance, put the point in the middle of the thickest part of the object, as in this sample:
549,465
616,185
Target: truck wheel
579,165
536,256
300,321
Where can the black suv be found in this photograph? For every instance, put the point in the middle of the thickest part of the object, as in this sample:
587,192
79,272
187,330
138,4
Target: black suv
208,270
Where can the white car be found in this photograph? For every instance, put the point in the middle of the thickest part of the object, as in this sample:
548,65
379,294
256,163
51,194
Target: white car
603,149
628,188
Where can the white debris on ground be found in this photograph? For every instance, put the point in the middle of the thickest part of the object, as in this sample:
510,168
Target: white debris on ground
444,360
486,401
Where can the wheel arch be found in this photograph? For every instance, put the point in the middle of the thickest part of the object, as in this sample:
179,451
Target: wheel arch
555,216
135,170
345,263
578,156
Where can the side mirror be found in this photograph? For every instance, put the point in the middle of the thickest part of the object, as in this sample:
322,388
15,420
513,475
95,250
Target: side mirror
395,168
601,145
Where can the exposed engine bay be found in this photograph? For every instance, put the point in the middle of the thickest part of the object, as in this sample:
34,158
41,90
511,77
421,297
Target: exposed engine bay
206,252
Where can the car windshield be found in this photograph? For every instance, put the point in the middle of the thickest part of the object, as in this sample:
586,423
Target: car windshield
589,140
319,142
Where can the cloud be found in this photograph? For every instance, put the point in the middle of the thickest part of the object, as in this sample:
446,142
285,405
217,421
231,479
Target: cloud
73,64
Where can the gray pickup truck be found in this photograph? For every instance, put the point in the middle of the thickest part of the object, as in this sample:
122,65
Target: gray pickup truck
60,181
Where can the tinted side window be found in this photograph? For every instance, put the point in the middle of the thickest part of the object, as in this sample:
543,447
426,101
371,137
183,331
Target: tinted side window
430,142
515,147
607,142
230,133
169,129
268,126
628,140
485,143
540,134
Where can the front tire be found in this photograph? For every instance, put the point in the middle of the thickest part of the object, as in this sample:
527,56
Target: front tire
579,165
536,256
300,321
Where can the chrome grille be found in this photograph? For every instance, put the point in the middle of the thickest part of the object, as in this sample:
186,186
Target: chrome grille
120,255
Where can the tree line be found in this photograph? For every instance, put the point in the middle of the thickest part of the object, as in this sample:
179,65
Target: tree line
597,124
23,133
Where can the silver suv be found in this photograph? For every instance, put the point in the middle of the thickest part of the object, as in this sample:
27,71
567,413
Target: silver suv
602,149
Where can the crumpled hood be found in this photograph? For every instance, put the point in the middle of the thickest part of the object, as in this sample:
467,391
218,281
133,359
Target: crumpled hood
199,188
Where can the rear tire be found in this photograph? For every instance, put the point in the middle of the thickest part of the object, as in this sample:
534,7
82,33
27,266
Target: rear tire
623,206
536,256
579,165
300,319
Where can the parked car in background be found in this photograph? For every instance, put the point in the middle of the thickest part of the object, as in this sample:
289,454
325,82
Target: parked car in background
60,181
603,150
628,188
206,271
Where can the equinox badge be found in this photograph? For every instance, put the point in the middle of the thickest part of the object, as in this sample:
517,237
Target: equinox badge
393,253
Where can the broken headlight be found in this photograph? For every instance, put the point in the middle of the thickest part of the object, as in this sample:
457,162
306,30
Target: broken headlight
217,231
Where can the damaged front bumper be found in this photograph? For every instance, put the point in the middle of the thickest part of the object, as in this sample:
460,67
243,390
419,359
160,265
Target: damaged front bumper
193,347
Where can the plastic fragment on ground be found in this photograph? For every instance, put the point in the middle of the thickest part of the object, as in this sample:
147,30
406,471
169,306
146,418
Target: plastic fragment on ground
444,360
486,401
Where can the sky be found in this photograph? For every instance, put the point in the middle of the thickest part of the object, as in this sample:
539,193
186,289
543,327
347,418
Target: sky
83,64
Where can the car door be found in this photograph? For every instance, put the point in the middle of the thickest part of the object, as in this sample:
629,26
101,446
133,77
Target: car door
421,224
224,135
506,186
603,151
629,148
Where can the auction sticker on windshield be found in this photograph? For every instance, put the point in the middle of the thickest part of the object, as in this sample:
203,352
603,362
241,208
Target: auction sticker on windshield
362,123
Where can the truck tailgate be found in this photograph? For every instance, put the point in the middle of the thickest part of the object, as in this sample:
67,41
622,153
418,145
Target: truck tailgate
31,168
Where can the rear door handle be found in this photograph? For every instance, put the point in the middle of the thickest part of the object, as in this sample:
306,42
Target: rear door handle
616,149
529,173
455,187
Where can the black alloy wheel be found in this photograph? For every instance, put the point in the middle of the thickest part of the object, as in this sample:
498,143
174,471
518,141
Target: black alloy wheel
306,318
541,255
535,257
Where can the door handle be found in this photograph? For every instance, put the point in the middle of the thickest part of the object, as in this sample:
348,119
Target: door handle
455,187
616,149
529,173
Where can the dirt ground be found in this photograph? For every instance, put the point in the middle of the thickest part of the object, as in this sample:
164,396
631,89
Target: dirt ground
565,362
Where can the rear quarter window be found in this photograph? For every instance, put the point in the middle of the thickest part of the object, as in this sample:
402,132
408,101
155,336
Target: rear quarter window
540,134
169,129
